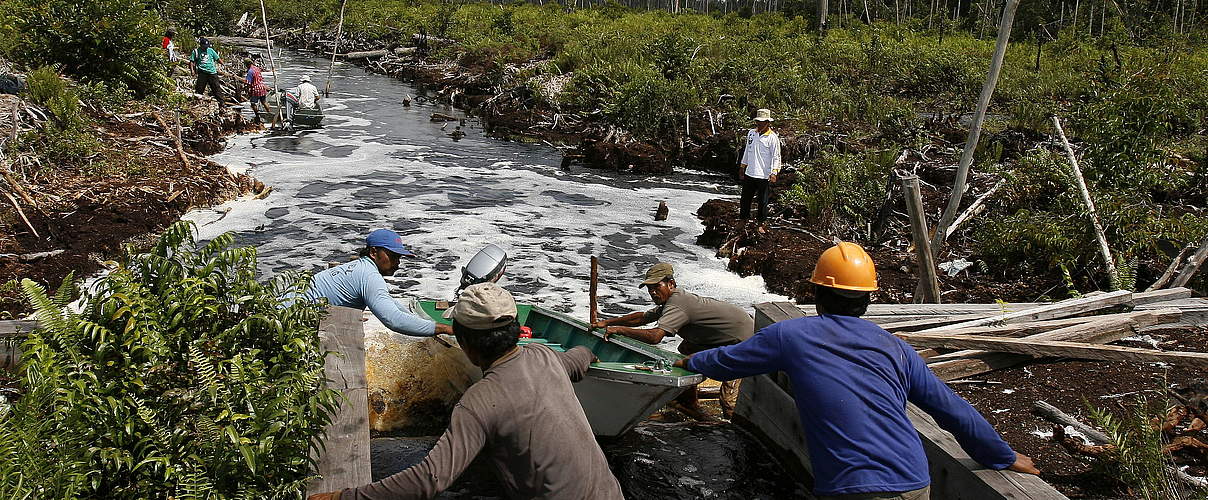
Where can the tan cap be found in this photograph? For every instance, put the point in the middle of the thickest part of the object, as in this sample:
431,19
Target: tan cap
482,307
657,273
763,115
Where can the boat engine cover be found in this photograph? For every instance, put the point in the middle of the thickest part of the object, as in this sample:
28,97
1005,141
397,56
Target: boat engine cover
486,266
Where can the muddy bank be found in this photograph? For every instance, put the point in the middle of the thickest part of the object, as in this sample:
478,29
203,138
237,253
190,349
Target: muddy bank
783,252
132,186
1006,397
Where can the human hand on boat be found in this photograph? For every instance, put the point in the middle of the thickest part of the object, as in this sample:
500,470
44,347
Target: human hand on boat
1023,463
443,329
331,495
682,362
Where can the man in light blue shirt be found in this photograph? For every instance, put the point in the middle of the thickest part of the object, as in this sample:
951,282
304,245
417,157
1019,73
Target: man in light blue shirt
359,284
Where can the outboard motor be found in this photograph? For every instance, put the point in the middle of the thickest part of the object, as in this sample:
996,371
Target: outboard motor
486,266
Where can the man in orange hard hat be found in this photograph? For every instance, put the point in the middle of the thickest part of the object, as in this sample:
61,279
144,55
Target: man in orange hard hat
851,382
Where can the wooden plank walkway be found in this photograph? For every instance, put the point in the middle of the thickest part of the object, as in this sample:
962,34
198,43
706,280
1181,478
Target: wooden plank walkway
767,404
343,459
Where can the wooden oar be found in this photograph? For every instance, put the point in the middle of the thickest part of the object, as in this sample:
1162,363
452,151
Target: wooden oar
594,315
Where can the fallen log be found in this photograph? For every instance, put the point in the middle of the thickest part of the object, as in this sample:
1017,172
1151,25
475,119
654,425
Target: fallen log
180,150
27,257
1169,273
1055,415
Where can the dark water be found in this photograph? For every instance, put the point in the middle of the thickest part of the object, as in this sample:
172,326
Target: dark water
654,460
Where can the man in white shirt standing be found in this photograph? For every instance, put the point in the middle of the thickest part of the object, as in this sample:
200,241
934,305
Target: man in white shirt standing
760,164
304,95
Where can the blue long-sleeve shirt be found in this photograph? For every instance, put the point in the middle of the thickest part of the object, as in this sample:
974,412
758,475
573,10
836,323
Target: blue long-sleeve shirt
359,284
851,381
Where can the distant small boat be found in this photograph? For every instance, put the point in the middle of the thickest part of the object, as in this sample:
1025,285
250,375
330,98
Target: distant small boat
621,389
303,117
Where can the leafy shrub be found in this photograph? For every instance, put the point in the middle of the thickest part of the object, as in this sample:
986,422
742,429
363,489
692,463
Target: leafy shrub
92,40
49,90
840,187
181,377
1136,455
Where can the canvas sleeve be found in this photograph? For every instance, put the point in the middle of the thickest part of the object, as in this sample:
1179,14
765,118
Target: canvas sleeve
576,362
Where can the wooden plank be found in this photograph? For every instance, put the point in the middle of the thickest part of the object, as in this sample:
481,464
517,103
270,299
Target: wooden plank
767,313
1055,310
343,459
17,327
1156,296
771,410
955,475
929,322
1056,348
1141,318
964,364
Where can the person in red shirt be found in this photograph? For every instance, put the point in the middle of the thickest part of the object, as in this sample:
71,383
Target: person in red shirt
257,91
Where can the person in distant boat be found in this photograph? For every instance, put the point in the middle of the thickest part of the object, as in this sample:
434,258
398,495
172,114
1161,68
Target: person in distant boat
523,416
852,381
760,164
204,61
702,323
257,91
305,96
457,133
359,284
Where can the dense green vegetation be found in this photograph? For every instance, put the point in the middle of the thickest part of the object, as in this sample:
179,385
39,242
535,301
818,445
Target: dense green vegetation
183,376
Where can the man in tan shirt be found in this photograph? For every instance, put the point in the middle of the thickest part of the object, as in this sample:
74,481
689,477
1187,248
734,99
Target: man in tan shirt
702,323
523,414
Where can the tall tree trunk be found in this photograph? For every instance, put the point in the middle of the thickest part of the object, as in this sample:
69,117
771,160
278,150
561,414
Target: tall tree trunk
983,102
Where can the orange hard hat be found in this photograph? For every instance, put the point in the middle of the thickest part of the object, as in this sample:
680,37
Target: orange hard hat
846,266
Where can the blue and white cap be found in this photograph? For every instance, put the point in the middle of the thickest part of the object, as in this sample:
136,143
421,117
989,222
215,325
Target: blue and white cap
389,240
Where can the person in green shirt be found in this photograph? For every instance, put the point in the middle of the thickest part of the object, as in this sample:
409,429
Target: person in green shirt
204,61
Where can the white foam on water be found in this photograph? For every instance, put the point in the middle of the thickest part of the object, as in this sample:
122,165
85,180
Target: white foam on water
376,164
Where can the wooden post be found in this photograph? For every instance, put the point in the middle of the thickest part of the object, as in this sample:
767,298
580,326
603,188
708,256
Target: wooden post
268,44
334,49
343,458
595,277
928,289
1104,251
962,171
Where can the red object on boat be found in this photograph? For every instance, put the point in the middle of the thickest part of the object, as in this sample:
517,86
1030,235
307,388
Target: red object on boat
526,332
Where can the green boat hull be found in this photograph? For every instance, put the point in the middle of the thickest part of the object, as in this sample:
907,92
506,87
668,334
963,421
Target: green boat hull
303,117
615,395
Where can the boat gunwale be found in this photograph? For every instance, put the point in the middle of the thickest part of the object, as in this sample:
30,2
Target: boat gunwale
611,374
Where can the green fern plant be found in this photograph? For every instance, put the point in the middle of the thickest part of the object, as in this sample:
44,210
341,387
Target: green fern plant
182,376
1136,458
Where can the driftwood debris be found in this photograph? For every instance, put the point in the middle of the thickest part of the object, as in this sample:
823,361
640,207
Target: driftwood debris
1055,310
21,213
1104,250
1193,265
180,150
1098,440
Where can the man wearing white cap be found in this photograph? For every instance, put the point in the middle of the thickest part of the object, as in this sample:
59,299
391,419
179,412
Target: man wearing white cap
760,164
304,95
523,414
